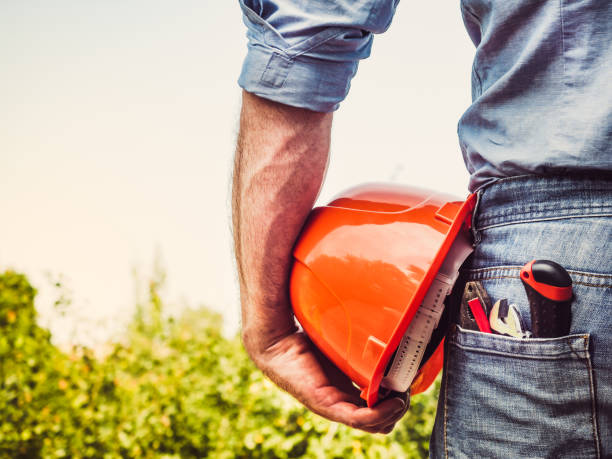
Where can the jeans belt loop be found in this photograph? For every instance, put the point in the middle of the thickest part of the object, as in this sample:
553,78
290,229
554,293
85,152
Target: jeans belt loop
475,233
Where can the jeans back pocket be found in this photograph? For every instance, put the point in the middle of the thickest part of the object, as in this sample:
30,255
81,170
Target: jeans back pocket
508,397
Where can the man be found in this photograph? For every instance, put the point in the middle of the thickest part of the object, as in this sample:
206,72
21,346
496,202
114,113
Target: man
537,141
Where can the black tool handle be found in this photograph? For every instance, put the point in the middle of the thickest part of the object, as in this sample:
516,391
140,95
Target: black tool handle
549,291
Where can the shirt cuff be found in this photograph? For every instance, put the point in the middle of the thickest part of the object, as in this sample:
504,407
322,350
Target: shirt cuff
301,81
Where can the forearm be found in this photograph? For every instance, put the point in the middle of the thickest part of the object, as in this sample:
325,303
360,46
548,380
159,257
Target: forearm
279,166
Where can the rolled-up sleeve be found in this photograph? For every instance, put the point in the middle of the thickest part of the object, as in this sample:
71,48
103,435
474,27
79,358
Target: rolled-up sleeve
304,53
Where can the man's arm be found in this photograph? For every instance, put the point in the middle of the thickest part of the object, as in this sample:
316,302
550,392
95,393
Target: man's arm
280,163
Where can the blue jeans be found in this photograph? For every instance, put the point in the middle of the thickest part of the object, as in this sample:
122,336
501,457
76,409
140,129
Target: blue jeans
507,397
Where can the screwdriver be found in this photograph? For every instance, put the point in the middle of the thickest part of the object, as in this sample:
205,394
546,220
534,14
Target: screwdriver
549,291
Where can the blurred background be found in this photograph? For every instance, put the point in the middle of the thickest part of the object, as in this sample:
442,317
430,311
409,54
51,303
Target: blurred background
117,128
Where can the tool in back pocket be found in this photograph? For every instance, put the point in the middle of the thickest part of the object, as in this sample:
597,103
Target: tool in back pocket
549,290
475,307
506,320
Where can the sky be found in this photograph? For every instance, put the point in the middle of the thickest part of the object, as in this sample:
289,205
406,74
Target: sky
118,122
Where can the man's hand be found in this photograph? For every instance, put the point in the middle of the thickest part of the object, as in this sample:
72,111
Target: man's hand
298,367
279,167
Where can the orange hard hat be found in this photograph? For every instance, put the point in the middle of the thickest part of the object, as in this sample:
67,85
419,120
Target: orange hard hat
371,271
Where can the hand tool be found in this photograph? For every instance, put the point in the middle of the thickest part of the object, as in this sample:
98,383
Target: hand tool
479,315
549,291
506,320
473,314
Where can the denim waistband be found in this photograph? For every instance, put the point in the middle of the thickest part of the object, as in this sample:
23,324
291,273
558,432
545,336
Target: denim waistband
534,198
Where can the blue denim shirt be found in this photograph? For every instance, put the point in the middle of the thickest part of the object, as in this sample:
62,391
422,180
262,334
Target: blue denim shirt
541,79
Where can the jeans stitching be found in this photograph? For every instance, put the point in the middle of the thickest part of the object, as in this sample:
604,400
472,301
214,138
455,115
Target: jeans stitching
544,207
481,274
586,284
569,344
494,268
517,268
536,219
518,180
445,406
481,350
593,407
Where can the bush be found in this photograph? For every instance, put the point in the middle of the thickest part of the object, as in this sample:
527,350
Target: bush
172,388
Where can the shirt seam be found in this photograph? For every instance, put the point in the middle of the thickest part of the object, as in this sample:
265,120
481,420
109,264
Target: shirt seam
286,52
338,31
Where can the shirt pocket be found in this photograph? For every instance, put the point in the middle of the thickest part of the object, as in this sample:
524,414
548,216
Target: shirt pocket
507,397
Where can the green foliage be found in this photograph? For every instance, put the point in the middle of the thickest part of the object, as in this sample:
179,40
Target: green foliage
173,388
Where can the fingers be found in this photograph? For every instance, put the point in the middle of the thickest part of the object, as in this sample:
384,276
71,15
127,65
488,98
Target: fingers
388,417
380,418
389,428
300,369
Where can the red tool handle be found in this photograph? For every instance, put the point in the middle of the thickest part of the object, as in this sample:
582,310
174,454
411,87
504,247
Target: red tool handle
479,315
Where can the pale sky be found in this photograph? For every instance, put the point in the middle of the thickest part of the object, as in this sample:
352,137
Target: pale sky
117,128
